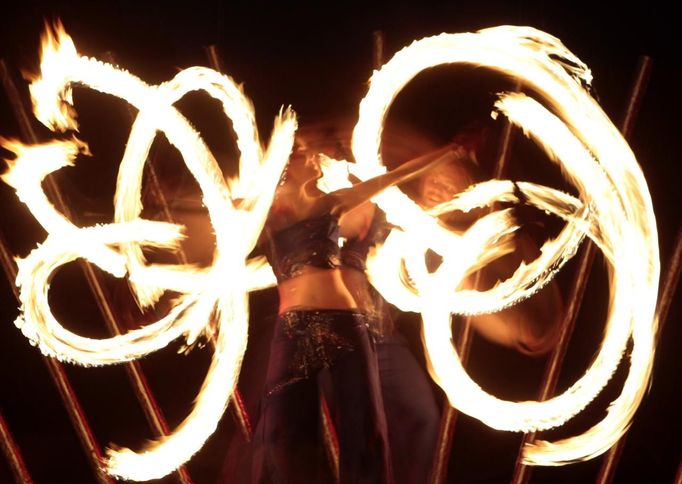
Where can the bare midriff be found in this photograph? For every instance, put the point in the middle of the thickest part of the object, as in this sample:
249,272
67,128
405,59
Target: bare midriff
316,288
357,284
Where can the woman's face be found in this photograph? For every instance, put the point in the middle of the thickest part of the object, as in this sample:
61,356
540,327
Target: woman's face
440,185
303,164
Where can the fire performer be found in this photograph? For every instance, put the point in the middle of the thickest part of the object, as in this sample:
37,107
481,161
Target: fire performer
411,409
322,331
530,326
410,406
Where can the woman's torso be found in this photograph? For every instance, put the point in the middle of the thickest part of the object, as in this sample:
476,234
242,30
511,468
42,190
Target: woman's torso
313,269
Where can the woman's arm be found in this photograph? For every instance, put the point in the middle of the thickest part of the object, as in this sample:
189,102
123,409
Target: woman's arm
531,326
341,201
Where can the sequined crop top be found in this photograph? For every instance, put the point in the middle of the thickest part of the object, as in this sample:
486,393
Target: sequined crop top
310,242
315,242
354,251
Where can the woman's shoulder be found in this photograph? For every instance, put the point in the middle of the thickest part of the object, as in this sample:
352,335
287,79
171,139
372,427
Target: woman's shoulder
282,222
285,213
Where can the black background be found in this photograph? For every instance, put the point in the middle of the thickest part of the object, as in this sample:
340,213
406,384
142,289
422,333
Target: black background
318,59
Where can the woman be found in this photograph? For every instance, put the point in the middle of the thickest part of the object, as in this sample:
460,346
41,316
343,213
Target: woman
412,413
322,332
530,326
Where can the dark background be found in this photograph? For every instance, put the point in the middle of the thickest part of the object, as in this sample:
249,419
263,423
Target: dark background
318,59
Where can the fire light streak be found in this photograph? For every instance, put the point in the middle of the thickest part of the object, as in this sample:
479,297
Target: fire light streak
116,248
613,208
616,213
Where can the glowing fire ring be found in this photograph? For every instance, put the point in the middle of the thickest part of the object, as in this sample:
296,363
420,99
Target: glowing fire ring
595,157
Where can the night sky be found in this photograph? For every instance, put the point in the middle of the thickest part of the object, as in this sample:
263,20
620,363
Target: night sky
318,60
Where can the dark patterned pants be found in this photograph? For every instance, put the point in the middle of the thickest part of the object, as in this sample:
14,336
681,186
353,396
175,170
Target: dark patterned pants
310,346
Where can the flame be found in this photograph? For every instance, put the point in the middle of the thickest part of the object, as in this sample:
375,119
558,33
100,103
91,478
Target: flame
116,248
52,95
613,208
